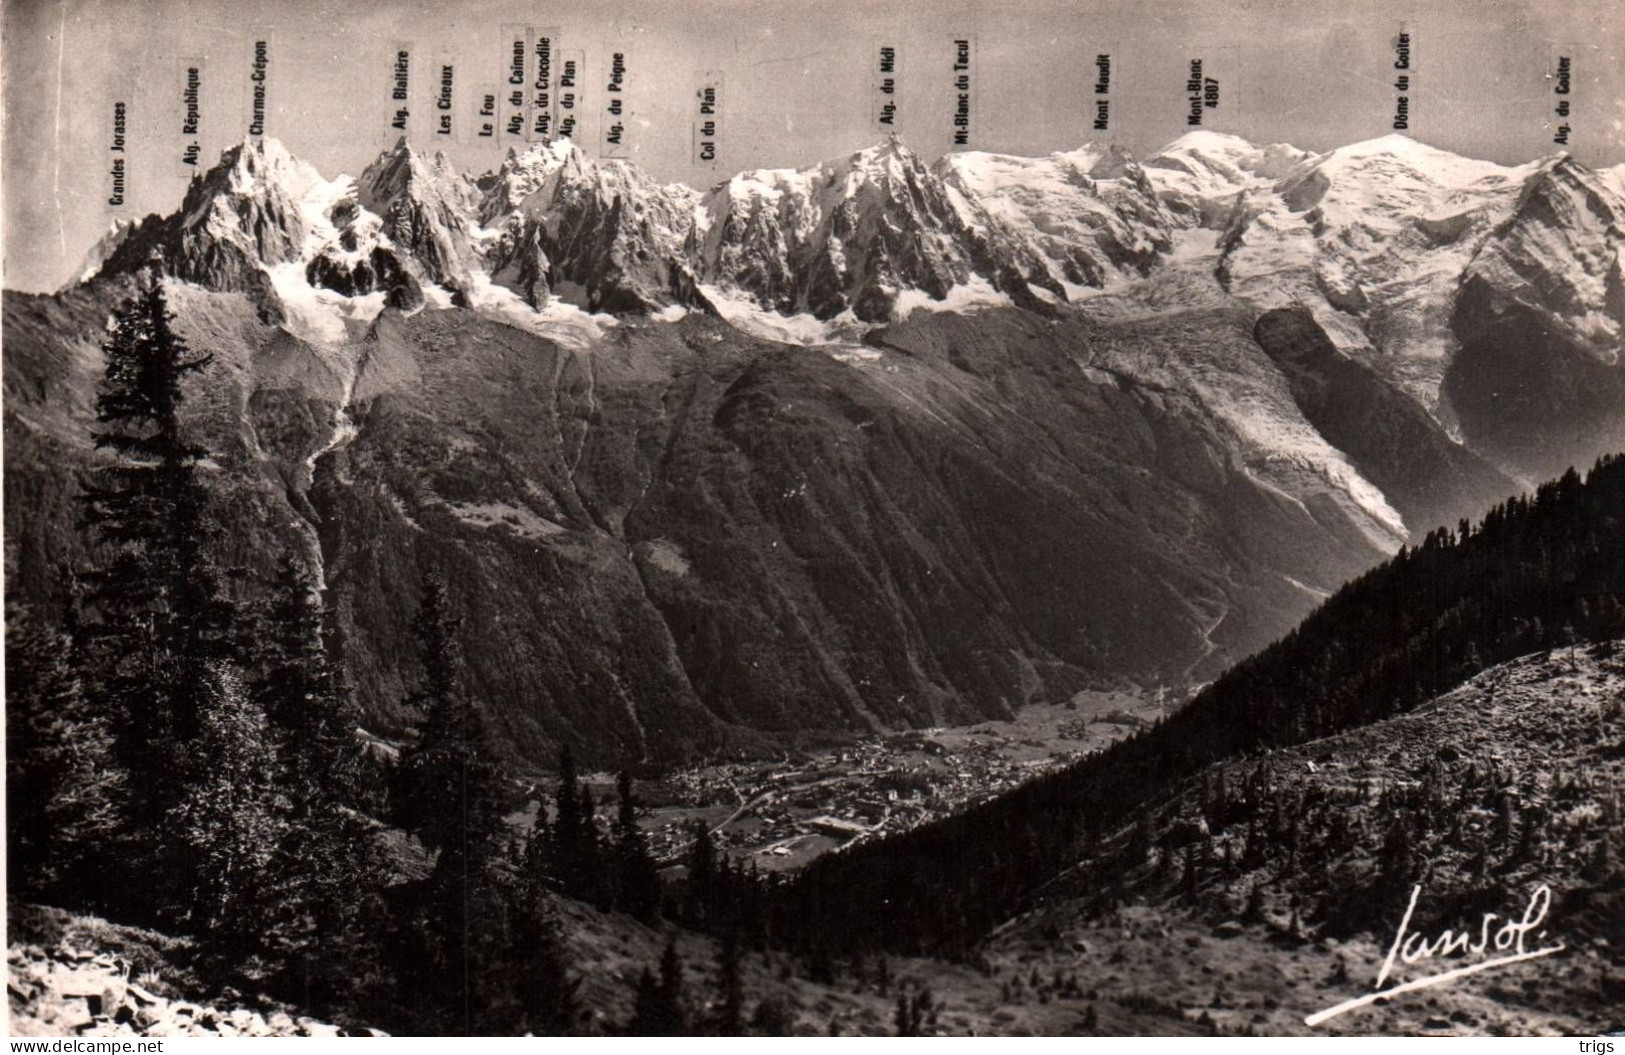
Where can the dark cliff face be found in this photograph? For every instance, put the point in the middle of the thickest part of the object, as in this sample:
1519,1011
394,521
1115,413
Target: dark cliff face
685,540
1538,382
1431,480
1529,393
684,533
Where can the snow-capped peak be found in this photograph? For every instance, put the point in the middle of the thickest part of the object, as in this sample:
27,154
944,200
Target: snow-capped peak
105,247
1372,236
262,202
523,173
1396,156
1614,178
254,164
405,171
890,157
1089,214
853,234
1208,164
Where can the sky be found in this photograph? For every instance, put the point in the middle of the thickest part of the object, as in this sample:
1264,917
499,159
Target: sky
796,83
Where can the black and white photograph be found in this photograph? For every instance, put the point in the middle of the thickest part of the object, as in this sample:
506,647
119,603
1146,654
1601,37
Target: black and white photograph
733,518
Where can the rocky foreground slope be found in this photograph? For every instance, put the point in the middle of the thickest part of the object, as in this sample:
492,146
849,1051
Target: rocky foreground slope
1244,912
79,976
1284,880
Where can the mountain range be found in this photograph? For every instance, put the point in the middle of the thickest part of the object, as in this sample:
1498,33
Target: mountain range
869,443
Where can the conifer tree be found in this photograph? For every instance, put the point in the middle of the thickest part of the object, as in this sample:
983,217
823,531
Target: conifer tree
538,856
230,820
61,781
158,620
574,837
653,1014
1145,835
1397,861
658,1008
646,1006
327,864
637,884
448,793
671,988
448,786
1190,881
537,967
704,879
729,1018
1253,909
304,695
772,1019
592,883
907,1017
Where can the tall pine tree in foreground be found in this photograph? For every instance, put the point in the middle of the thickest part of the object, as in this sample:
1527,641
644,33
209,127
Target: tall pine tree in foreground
542,992
570,858
454,931
637,885
157,620
326,864
448,786
728,1016
230,820
304,694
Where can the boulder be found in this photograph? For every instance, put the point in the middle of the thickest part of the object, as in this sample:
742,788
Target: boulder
148,1018
309,1027
72,1014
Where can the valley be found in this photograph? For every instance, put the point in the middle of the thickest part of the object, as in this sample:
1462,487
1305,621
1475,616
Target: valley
778,814
1153,952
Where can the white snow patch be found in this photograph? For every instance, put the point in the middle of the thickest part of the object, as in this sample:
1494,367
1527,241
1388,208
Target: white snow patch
976,295
436,296
557,321
1318,594
343,424
745,315
318,315
1614,178
668,557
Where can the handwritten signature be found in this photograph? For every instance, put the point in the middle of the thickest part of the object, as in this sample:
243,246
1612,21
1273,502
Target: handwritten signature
1412,947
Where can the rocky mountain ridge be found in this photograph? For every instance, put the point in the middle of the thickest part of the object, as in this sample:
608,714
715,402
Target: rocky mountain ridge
1400,251
1116,444
1367,234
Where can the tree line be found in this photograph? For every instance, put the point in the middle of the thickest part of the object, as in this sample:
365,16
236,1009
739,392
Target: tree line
1537,572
